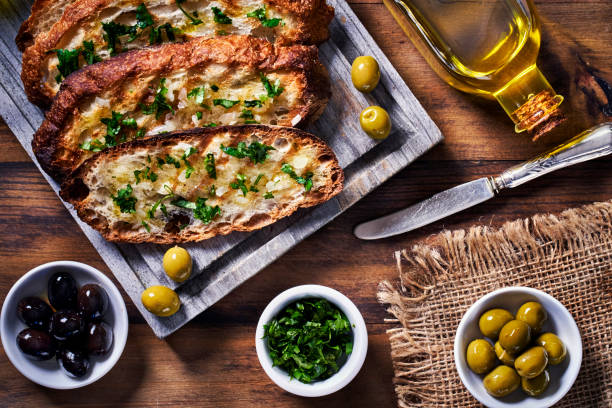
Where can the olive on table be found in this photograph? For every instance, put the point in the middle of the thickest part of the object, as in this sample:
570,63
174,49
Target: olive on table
531,363
515,336
491,322
99,338
502,381
480,356
73,363
375,122
536,385
34,312
554,347
92,301
504,356
534,314
365,73
62,291
67,325
177,264
36,344
160,300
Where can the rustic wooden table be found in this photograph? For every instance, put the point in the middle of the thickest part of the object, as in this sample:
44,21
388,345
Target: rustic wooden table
212,362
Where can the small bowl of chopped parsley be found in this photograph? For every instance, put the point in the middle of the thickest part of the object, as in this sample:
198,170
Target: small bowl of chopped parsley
311,340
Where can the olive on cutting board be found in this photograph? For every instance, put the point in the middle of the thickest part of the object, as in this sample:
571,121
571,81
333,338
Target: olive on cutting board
62,291
92,301
365,73
160,300
177,264
34,312
375,122
36,344
99,338
73,363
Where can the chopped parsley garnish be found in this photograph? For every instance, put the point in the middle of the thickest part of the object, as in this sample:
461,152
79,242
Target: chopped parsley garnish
260,14
246,114
271,89
212,190
159,203
258,179
168,160
68,60
124,200
226,103
198,94
198,115
239,184
155,35
194,19
211,124
257,152
220,17
160,104
209,162
309,339
112,32
117,127
93,145
146,174
146,226
214,87
305,180
188,165
255,103
201,210
144,19
268,195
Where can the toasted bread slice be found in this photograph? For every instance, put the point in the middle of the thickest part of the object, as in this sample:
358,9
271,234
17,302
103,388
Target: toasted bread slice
44,14
196,184
200,83
101,28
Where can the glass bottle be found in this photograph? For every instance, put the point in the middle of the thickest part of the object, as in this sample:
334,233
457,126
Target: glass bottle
488,48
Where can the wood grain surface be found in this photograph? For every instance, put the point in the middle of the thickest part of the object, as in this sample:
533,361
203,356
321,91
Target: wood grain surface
211,362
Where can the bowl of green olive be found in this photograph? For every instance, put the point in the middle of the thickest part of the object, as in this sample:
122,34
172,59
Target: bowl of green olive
518,347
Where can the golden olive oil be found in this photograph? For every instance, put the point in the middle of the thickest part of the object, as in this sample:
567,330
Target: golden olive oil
484,47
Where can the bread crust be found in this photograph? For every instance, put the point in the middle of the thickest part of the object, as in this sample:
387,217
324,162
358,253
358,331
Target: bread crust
239,51
40,21
312,28
75,191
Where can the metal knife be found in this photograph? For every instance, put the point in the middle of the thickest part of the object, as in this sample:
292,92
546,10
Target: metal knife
590,144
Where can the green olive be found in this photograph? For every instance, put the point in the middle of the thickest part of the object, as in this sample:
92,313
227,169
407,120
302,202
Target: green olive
502,381
503,355
536,385
515,336
160,300
492,321
533,314
480,356
531,363
177,264
365,73
375,122
554,347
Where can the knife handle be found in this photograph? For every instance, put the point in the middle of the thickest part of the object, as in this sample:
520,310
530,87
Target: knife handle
590,144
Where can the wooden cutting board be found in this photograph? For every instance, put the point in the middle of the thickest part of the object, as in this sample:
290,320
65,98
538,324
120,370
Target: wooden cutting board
221,264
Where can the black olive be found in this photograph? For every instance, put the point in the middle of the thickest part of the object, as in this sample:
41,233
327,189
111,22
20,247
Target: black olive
92,301
62,291
74,363
99,338
36,344
67,324
34,312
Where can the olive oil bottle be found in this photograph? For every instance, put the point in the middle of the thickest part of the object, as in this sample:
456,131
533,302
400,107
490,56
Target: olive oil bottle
485,47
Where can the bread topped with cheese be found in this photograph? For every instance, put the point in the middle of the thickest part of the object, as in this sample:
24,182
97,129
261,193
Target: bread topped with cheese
94,30
197,184
204,82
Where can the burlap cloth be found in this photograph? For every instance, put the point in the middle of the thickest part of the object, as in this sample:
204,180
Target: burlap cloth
568,256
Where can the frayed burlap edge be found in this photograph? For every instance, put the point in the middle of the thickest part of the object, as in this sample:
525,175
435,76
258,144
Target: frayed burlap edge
458,254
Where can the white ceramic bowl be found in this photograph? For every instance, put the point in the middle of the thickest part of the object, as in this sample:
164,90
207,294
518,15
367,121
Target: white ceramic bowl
352,365
559,321
34,283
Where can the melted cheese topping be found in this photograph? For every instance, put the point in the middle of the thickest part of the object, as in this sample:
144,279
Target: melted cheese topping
108,177
166,11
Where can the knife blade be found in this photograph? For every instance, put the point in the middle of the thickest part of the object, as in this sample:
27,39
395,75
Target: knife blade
590,144
437,207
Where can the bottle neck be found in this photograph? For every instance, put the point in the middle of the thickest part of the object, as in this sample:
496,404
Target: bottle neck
531,102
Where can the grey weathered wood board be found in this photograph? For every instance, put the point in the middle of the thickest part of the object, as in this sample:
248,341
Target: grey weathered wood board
223,263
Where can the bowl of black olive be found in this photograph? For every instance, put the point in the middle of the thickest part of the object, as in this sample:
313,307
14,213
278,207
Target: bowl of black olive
64,325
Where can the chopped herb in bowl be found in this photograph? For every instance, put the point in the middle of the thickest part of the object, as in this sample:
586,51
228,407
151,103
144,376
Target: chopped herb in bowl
310,339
